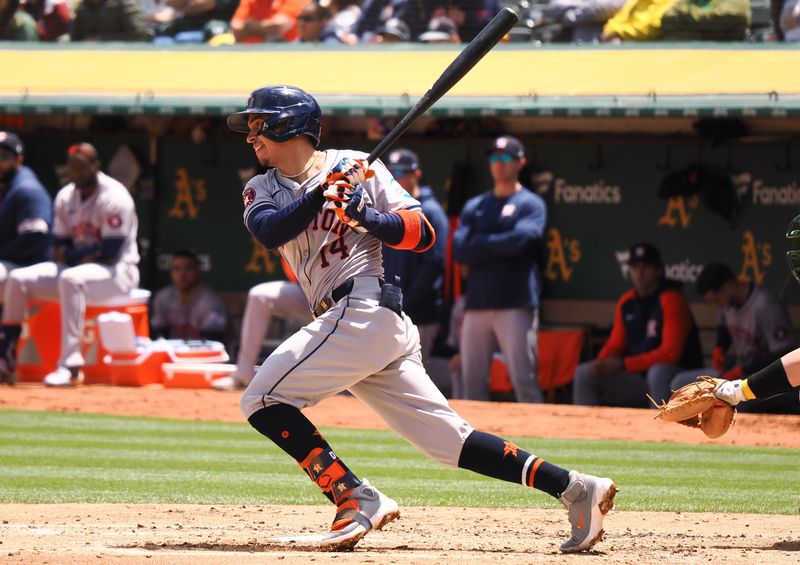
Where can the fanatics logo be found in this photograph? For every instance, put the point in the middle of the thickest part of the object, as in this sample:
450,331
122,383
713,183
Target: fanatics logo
115,221
248,196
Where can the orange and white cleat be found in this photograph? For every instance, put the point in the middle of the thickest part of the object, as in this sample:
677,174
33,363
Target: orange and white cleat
365,509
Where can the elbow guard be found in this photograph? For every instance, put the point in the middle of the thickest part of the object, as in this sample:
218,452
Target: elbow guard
418,234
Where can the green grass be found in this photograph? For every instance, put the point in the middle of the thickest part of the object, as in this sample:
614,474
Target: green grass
55,457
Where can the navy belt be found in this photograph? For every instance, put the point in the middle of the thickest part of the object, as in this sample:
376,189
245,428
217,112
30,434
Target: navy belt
336,295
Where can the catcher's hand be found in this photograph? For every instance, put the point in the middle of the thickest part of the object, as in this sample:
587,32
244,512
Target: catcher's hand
695,405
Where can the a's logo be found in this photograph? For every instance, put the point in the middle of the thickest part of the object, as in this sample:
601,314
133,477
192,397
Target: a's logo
756,257
679,211
562,255
248,196
115,221
188,192
261,259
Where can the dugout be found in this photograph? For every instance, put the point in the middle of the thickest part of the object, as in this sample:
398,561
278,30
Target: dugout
606,129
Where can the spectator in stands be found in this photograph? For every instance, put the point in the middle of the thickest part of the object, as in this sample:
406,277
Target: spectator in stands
583,20
196,21
259,21
706,20
470,15
638,20
394,30
654,336
753,325
265,301
346,15
440,30
188,309
789,25
313,25
95,258
421,274
377,13
109,20
158,14
52,17
499,238
26,215
15,23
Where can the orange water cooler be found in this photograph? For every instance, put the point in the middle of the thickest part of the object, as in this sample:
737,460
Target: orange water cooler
39,345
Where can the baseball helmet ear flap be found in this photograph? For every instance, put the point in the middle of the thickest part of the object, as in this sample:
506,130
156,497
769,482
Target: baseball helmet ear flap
288,111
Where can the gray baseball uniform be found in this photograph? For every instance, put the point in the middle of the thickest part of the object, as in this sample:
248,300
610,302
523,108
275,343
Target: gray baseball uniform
329,354
108,213
282,299
761,325
203,316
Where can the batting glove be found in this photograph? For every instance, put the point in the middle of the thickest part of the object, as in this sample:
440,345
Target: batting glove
355,171
359,211
338,192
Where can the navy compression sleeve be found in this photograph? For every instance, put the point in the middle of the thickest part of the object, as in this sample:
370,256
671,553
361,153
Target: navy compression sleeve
273,226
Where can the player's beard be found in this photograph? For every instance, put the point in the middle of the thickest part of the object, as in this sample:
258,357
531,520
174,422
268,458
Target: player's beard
7,177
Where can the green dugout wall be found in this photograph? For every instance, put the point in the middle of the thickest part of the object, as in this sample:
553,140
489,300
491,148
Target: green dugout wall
602,195
603,127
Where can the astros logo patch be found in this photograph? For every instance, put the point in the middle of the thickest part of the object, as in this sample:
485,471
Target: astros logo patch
248,196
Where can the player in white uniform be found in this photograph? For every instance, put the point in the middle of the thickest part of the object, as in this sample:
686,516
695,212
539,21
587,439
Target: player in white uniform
95,257
360,341
281,299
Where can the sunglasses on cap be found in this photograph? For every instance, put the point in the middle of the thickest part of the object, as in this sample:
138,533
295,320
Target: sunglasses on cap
501,158
398,172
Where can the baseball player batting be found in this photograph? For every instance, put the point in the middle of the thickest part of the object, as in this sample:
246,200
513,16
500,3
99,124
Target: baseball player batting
360,340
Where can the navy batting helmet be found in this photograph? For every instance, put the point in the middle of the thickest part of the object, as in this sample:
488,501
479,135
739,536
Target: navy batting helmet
288,112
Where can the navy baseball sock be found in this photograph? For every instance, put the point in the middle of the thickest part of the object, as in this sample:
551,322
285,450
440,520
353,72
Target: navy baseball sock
495,457
290,430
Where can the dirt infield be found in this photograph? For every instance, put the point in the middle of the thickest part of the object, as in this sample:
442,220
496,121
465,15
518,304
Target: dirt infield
77,534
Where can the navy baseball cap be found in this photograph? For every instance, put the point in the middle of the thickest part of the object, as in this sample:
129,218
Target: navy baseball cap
508,144
402,161
10,142
397,28
440,29
644,253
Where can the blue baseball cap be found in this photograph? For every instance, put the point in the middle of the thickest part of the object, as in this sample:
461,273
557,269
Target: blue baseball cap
508,144
11,143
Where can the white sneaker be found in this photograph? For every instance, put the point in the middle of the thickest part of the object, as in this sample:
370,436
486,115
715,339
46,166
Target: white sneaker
588,499
64,377
237,380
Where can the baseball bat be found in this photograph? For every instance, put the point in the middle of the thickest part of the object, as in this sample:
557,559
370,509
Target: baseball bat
475,50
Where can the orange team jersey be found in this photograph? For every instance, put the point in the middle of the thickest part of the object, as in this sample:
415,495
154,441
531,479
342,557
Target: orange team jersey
265,9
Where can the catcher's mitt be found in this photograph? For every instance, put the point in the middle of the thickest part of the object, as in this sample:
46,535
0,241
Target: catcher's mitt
695,405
